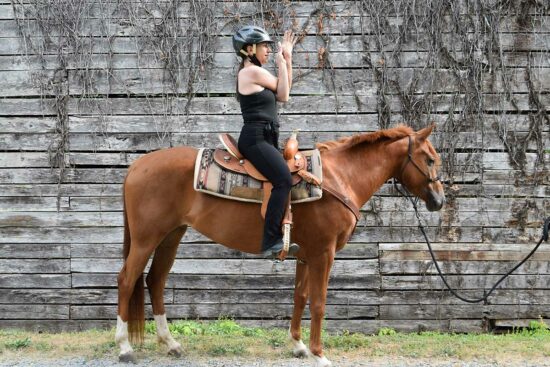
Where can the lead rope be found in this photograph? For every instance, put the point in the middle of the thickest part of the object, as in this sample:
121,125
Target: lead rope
486,295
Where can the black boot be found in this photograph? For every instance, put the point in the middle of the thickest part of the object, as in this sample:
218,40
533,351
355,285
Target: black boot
273,251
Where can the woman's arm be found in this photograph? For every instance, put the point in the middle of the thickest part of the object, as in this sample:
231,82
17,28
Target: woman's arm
279,84
283,79
289,40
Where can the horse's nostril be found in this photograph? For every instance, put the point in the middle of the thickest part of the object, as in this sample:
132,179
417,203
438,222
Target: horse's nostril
435,201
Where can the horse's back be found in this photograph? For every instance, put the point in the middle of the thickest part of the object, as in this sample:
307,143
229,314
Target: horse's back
158,183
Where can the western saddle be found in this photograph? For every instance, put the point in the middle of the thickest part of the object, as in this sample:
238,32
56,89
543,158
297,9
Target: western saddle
231,159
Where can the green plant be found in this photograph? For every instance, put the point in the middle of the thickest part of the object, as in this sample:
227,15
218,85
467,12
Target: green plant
386,331
18,343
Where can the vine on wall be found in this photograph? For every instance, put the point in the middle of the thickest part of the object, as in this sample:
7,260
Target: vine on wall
461,69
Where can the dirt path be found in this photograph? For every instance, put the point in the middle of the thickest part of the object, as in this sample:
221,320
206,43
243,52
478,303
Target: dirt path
236,362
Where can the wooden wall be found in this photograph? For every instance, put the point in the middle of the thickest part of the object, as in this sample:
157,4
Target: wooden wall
61,223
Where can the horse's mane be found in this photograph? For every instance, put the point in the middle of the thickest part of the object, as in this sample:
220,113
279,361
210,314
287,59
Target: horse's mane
395,133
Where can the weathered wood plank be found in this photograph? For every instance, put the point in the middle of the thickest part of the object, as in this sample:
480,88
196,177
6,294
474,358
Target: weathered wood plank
507,297
68,296
243,9
329,122
464,255
27,250
417,282
116,175
268,296
327,104
30,203
211,250
418,42
46,266
64,189
34,311
114,189
38,326
414,267
27,107
341,297
305,8
120,142
140,81
61,235
77,215
19,281
234,282
26,159
229,266
500,247
397,312
211,311
301,59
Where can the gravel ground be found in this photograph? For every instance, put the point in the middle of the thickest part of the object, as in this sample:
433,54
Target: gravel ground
219,362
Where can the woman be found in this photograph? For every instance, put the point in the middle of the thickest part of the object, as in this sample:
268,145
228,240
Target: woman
258,92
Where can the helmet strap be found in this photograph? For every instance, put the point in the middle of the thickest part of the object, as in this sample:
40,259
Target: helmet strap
252,57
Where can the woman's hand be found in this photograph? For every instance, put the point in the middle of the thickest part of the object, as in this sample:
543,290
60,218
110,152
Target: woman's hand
279,56
289,40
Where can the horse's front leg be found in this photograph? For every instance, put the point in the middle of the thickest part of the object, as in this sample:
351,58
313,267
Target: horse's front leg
319,271
301,292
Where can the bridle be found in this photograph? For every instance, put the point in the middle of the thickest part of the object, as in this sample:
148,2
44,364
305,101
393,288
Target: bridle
411,160
414,201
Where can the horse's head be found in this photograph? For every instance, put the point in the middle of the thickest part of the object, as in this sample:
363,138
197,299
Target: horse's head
419,170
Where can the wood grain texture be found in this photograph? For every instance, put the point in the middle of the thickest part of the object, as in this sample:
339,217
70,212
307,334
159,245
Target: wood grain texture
60,242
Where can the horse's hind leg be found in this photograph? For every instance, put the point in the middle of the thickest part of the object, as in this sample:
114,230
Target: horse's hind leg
301,292
156,281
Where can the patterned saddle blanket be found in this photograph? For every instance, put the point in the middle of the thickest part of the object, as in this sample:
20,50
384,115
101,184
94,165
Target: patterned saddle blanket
211,178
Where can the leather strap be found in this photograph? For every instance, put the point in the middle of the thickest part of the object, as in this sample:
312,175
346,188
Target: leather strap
344,199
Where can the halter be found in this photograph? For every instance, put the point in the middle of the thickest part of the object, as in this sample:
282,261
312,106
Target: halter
411,160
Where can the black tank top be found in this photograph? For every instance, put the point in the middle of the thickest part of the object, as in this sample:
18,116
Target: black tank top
260,106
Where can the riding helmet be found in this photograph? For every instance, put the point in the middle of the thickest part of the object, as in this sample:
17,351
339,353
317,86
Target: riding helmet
249,35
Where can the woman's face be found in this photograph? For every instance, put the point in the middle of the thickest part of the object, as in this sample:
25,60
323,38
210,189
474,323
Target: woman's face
263,50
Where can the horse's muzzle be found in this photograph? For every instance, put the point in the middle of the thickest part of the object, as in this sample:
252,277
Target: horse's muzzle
435,201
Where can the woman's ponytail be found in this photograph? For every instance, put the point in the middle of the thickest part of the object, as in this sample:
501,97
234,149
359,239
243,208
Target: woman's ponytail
241,66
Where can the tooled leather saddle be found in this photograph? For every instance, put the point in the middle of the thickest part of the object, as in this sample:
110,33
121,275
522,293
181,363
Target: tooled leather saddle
232,160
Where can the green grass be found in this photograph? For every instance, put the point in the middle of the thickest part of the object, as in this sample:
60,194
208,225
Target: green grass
226,337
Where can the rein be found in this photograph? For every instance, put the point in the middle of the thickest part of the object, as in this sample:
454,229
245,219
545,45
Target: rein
414,202
486,295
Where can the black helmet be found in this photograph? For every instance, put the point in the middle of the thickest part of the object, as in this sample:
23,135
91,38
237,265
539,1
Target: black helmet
249,35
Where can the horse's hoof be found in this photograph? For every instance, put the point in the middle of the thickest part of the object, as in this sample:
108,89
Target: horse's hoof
300,353
321,361
300,350
127,358
175,352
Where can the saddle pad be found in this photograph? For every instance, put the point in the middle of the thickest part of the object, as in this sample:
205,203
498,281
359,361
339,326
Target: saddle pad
211,178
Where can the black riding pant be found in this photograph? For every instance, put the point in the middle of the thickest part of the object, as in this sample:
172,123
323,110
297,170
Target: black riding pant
258,143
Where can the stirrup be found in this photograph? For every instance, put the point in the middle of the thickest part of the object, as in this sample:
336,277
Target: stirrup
274,252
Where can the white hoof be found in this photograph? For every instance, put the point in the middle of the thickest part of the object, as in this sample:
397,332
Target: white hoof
299,349
320,361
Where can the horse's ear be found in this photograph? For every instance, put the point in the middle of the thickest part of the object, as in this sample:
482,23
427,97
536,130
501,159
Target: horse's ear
423,134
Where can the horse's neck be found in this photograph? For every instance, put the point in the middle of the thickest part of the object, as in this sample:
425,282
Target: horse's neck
361,170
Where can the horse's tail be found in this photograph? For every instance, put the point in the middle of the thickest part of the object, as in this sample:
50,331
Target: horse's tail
136,308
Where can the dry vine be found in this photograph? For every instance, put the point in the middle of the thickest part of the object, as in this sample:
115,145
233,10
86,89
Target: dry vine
461,69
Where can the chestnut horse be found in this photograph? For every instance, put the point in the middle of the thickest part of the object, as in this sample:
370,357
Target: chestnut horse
160,203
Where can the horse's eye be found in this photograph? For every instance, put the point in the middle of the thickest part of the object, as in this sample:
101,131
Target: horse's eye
431,162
